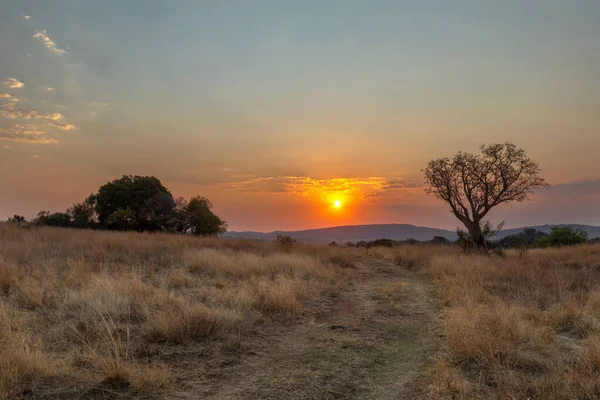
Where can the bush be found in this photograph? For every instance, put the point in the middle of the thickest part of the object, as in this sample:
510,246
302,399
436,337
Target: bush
525,238
45,218
285,242
562,236
15,219
383,242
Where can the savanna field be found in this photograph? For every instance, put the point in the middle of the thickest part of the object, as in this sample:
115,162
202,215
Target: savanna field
93,314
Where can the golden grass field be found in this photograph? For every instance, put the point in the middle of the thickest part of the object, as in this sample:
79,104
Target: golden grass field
525,327
81,309
92,314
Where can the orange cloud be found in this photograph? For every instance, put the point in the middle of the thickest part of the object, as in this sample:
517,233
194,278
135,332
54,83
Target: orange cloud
26,134
361,187
13,83
51,119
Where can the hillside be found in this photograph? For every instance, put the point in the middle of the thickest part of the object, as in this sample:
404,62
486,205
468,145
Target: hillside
355,233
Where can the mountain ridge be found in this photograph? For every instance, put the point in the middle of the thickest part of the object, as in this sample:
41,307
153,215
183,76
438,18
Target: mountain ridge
355,233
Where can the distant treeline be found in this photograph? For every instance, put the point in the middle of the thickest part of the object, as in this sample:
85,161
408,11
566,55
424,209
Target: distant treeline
135,203
528,238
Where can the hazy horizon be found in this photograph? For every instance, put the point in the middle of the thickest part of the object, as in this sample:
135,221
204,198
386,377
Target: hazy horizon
273,109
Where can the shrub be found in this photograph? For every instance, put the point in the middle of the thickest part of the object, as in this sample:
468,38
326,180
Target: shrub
562,236
285,242
17,219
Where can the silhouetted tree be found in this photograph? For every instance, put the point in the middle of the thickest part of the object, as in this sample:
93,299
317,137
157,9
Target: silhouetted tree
440,240
200,220
123,219
473,184
128,201
45,218
82,214
139,203
157,212
383,242
524,238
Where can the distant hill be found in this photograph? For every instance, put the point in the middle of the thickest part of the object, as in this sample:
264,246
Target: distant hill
355,233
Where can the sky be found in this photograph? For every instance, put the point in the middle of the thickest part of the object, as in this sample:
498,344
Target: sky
274,109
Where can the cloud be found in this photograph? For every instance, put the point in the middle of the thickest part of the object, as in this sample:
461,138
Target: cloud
13,83
63,127
49,43
11,112
4,146
50,89
10,98
52,119
47,117
26,16
362,187
27,134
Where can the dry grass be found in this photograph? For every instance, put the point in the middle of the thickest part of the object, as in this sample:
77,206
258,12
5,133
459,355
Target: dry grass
81,310
518,328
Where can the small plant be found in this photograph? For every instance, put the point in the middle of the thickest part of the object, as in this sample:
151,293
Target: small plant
285,242
16,219
499,251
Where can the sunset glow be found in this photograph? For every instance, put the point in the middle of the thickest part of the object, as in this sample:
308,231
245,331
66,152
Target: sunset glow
273,117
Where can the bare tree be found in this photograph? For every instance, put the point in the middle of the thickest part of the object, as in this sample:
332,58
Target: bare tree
473,184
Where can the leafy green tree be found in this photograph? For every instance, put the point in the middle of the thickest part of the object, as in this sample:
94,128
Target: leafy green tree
562,236
128,202
123,219
525,238
82,214
45,218
200,220
158,212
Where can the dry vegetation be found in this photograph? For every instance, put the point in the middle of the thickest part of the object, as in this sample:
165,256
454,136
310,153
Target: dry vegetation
89,313
522,327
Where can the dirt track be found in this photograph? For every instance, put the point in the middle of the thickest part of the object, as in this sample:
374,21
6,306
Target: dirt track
373,341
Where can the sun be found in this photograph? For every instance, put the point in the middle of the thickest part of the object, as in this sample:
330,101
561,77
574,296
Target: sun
337,203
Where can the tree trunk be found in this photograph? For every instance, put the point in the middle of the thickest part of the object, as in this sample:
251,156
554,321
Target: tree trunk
477,235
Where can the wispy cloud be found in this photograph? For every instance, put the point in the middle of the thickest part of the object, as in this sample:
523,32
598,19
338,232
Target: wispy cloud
27,134
364,187
63,127
26,16
4,146
13,83
10,98
52,119
49,43
50,89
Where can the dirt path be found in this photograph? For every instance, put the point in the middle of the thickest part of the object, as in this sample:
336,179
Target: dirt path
373,341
